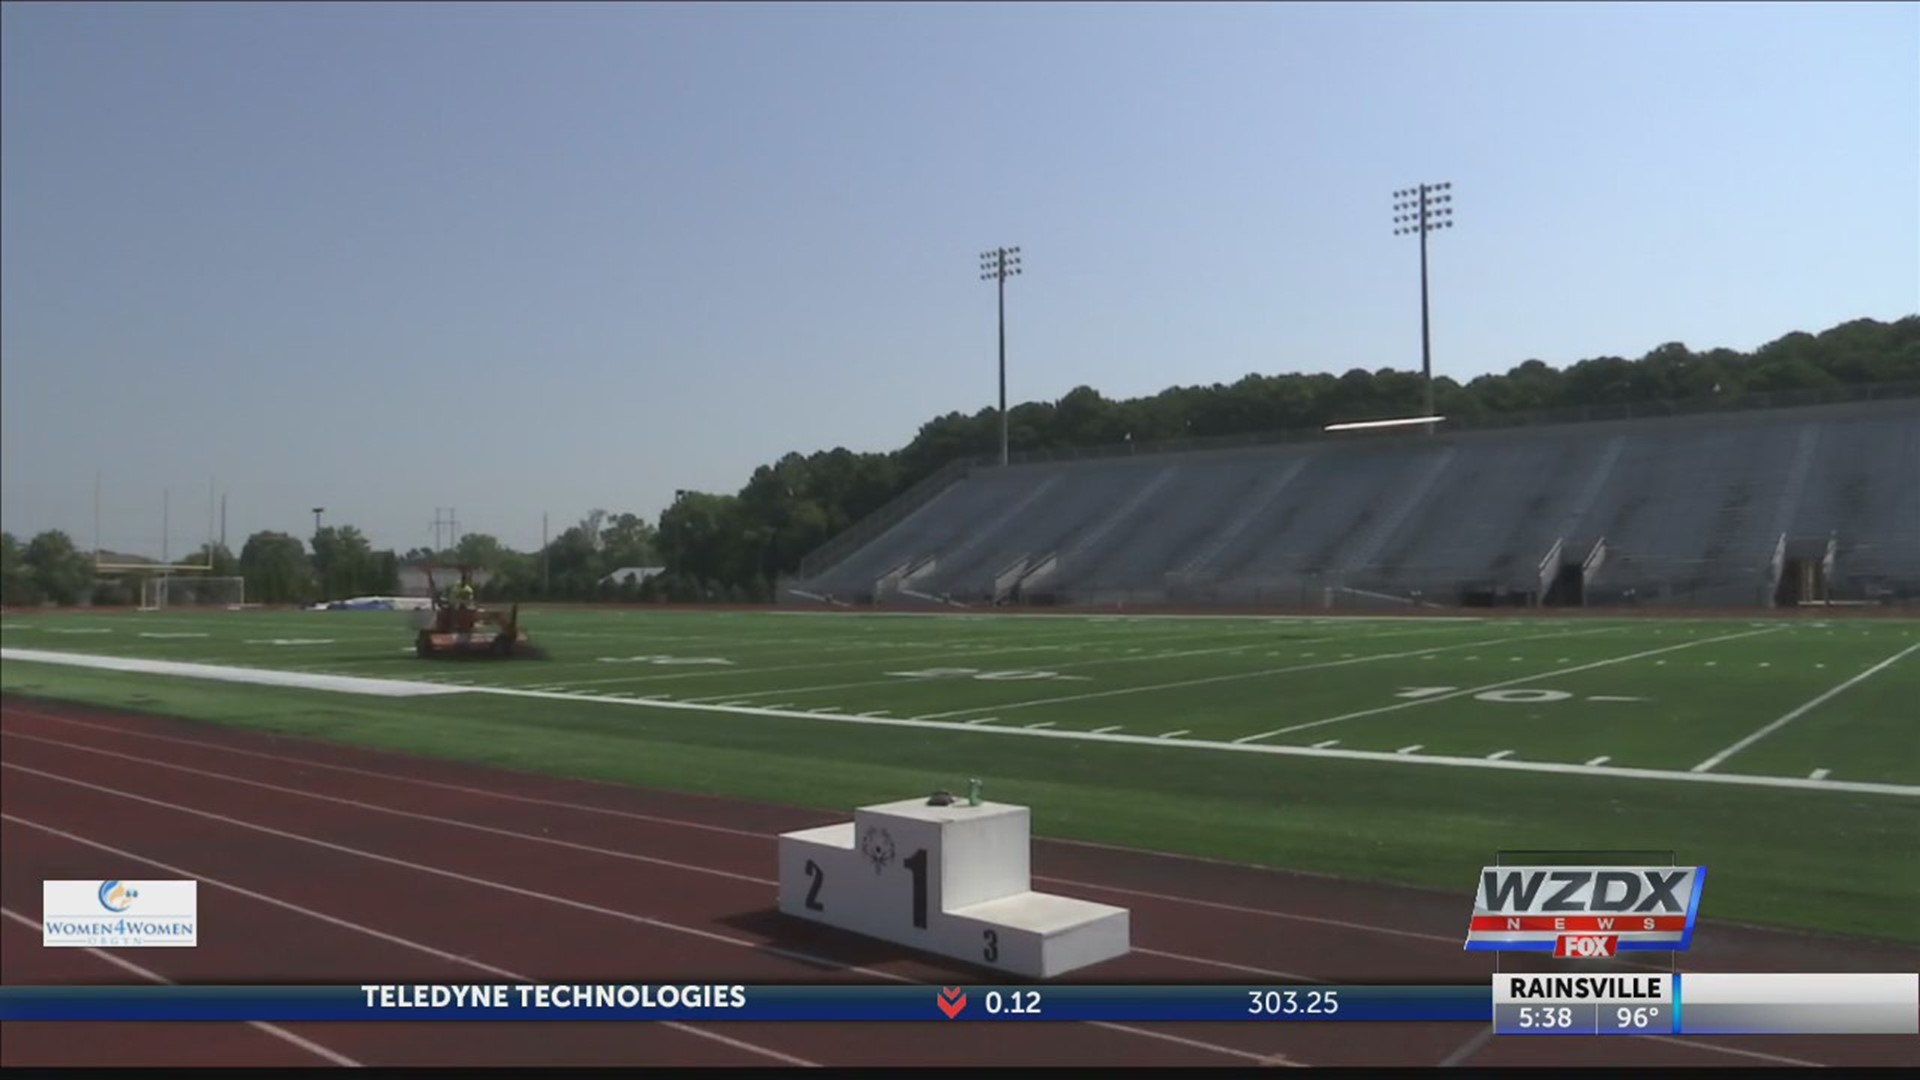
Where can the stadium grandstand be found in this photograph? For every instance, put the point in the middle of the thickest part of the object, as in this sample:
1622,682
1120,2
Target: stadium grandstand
1753,508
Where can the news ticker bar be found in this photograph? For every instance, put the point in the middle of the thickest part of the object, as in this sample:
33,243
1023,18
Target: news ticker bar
842,1003
1516,1004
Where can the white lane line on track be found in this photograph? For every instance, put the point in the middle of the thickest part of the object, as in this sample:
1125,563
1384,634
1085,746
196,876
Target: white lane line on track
627,916
702,826
1268,1059
345,924
655,819
615,853
318,1050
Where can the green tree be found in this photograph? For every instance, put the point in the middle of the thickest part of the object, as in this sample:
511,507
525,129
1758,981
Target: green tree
707,537
59,572
479,549
343,563
16,580
217,556
626,540
276,568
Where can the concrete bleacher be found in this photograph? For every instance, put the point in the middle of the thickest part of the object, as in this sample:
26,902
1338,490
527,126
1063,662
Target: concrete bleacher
1701,509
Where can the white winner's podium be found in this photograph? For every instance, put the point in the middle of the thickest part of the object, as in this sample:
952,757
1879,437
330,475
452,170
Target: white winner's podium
952,880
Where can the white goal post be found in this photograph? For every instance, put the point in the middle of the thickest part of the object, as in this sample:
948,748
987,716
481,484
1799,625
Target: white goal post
161,593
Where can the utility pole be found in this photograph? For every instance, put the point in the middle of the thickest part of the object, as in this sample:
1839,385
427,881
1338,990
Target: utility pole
1421,210
546,560
444,517
997,266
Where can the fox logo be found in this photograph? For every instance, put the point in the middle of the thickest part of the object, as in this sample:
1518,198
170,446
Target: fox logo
1585,946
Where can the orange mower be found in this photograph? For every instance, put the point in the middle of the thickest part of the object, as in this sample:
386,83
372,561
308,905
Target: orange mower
457,627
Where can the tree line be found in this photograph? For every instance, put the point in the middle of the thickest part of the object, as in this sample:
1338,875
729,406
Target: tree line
338,562
732,547
278,569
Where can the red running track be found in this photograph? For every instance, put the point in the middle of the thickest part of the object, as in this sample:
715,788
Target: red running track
321,863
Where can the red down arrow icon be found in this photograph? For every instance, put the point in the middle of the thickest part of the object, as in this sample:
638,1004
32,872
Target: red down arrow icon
952,1001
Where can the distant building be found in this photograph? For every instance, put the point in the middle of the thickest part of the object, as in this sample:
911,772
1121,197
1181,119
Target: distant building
413,579
631,575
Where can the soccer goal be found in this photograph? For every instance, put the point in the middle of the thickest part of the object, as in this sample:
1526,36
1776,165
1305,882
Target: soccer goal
161,593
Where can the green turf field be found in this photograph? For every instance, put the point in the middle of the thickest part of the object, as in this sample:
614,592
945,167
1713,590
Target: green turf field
1783,754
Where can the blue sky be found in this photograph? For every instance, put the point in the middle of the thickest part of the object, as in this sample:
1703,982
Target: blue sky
628,249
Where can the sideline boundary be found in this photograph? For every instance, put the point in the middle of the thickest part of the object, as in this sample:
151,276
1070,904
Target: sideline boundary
302,680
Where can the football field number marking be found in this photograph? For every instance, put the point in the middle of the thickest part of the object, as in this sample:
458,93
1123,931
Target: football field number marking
1514,696
1523,696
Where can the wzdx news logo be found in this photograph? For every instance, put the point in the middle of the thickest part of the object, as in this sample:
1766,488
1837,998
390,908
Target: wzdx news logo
118,914
1585,912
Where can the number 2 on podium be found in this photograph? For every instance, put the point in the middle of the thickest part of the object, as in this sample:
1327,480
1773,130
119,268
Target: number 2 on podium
916,865
819,877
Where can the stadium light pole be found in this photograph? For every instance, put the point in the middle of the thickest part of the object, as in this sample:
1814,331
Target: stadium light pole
1422,210
317,511
997,266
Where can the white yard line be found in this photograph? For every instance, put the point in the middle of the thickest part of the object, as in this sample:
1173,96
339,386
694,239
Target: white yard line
1804,709
324,1053
1240,675
1150,618
955,652
1553,674
957,658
